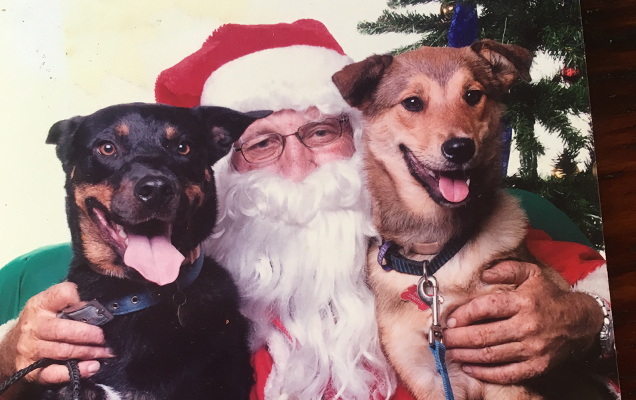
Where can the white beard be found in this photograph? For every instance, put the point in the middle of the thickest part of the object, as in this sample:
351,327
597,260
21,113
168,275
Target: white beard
297,252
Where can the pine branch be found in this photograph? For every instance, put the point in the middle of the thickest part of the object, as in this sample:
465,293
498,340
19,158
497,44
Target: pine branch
409,47
527,144
402,23
393,4
565,163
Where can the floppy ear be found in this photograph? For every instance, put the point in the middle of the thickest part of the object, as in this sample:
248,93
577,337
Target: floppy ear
357,82
508,62
61,134
224,127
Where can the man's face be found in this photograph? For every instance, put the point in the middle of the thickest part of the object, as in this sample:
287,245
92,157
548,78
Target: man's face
297,161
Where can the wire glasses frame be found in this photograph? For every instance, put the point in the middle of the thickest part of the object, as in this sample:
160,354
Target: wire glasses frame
270,146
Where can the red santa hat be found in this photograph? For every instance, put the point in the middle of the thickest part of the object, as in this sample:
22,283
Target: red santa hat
256,67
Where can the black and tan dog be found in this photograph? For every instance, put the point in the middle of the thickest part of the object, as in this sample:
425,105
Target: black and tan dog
432,140
140,199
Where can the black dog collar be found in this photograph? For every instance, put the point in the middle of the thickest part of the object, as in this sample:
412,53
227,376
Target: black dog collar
390,259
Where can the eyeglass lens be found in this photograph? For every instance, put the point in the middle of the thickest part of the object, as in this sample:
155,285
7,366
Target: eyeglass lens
269,146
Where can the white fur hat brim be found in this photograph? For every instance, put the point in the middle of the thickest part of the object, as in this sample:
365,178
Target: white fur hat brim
295,77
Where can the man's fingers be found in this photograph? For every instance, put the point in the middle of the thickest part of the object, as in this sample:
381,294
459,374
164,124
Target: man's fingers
479,336
59,297
65,351
490,306
58,373
504,353
67,331
507,374
509,273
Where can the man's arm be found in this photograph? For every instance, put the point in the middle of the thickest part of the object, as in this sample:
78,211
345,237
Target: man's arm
40,334
535,326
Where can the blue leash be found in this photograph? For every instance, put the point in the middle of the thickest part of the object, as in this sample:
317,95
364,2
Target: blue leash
439,353
435,334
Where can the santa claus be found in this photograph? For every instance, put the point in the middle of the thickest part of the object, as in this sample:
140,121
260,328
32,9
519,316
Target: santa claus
293,231
293,224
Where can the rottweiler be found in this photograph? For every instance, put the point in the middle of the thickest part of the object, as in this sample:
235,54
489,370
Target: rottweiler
140,199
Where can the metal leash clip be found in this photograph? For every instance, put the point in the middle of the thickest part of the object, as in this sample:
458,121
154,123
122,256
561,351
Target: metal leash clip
425,286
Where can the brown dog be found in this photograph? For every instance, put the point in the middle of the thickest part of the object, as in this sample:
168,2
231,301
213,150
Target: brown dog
432,139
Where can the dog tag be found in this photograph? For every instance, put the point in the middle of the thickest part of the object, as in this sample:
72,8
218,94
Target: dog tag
411,295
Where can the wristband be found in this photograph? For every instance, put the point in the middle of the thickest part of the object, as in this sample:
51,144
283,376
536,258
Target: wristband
606,336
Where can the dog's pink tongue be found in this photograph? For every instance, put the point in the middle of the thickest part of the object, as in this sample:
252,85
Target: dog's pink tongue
156,259
453,190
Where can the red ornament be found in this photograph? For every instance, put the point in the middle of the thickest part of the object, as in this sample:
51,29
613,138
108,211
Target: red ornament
570,75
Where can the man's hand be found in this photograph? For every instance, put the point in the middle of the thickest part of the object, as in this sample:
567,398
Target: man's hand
509,336
40,334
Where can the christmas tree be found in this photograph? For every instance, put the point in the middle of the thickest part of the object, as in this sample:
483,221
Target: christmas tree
549,26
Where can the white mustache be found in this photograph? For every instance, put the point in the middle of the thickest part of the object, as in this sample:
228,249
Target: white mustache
335,186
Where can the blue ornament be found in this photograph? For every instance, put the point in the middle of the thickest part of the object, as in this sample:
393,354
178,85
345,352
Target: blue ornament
463,28
506,141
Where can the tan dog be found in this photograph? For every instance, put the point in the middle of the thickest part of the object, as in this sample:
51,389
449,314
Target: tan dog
432,137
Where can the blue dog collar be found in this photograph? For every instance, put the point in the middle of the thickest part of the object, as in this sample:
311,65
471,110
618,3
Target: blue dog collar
390,259
149,297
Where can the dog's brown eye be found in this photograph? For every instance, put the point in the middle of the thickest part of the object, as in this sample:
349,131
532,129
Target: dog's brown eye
183,148
472,97
107,149
413,104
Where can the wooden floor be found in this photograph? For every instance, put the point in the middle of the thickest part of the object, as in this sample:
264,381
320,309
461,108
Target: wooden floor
610,35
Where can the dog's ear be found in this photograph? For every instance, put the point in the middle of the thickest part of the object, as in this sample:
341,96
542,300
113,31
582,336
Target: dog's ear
357,82
224,126
61,135
508,62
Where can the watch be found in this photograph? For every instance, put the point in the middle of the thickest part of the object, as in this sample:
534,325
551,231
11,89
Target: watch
606,336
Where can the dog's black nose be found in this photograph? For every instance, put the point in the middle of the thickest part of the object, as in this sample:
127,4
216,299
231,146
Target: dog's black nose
458,150
154,191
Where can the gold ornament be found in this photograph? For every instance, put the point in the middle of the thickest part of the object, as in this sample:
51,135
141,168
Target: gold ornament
447,9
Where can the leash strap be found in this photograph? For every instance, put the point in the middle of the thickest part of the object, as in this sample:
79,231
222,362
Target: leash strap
73,371
439,353
139,301
45,362
74,375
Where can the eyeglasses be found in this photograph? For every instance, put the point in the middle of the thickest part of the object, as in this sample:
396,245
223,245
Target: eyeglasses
270,146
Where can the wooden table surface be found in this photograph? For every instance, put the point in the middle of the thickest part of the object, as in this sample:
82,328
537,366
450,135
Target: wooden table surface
610,35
